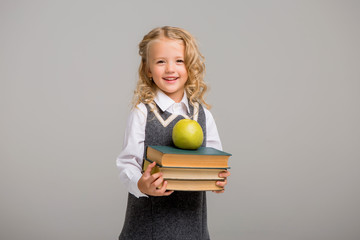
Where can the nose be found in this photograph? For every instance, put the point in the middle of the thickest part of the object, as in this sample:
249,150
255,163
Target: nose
170,67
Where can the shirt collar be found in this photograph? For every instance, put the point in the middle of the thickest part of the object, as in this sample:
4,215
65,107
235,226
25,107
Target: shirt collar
165,102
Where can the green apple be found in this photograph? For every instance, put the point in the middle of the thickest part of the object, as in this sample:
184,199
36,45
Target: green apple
187,134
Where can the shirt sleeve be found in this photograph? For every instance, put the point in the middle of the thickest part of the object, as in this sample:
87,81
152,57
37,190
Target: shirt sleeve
130,160
212,135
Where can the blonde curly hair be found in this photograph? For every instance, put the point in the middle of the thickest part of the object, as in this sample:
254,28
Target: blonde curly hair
195,86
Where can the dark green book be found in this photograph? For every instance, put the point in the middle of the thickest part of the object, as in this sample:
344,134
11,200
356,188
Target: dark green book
205,157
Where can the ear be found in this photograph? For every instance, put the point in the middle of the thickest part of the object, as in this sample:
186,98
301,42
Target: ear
148,73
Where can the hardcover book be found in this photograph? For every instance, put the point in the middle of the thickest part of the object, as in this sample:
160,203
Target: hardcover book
206,157
186,173
192,185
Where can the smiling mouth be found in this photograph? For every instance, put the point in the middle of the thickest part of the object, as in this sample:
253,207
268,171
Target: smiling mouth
171,79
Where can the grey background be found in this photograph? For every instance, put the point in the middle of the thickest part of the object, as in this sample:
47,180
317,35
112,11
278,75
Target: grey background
285,90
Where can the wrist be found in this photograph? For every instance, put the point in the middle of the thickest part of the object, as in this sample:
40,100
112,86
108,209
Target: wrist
140,187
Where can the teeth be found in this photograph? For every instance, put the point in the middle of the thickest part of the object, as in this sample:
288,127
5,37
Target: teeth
170,78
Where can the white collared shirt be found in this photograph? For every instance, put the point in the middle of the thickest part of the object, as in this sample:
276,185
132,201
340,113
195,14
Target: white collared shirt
130,160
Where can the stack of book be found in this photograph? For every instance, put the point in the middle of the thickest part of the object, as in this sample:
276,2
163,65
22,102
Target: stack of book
188,170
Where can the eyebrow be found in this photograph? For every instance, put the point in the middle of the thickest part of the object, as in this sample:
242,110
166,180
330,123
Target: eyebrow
166,58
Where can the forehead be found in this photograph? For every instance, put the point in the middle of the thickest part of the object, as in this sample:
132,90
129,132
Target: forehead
166,47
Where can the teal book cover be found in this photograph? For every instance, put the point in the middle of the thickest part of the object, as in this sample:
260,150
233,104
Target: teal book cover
199,151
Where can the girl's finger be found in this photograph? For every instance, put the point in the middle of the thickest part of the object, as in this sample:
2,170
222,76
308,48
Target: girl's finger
221,183
224,174
163,191
155,176
149,168
220,191
167,193
163,187
157,182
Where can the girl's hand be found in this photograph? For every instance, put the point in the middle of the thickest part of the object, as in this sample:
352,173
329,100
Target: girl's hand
223,174
149,184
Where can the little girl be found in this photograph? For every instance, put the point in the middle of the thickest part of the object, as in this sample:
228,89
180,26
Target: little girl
170,87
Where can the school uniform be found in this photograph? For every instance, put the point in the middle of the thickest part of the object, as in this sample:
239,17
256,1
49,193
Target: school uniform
182,215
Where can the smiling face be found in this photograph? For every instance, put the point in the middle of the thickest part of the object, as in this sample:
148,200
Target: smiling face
167,67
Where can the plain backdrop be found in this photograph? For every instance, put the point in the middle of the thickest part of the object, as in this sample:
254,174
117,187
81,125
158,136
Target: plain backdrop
285,90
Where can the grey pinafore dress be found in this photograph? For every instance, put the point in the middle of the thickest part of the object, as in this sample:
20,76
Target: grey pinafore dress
182,215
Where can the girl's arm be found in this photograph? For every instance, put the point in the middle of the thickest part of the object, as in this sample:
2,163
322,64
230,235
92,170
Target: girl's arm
213,140
212,135
129,162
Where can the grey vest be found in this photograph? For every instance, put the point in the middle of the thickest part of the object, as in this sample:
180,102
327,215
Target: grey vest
182,215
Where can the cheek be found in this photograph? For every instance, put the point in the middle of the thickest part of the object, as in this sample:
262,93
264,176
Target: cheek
185,74
157,70
183,71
